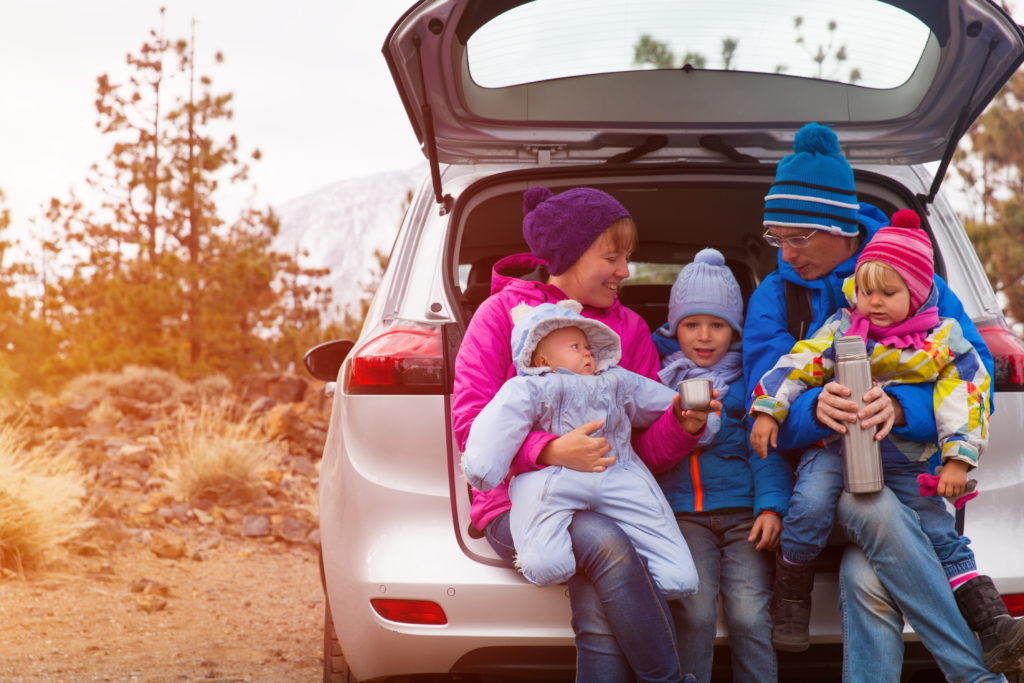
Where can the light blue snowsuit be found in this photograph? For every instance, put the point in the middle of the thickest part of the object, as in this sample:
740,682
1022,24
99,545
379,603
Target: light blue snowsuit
543,501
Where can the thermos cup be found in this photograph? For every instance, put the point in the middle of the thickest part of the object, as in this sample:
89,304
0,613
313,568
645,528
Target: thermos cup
695,394
862,460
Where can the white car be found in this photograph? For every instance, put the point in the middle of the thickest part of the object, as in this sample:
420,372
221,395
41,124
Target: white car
508,94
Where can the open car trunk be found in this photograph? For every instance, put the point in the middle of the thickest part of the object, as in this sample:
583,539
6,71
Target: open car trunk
679,210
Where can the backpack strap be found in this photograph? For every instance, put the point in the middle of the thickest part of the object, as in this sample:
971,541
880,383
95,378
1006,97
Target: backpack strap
799,314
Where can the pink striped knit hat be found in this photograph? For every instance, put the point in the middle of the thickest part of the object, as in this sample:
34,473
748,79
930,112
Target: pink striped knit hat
907,249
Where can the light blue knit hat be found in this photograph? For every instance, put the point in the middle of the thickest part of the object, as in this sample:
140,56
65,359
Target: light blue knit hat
533,323
706,286
814,186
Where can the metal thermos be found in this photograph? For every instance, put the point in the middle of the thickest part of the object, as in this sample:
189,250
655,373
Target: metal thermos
862,460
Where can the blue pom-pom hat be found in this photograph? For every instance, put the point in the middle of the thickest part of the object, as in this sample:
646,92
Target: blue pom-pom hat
814,186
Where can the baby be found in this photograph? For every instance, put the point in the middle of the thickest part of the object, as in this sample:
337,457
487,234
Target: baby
567,377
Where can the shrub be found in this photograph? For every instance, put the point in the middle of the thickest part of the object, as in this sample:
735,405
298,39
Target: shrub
218,458
212,388
146,384
40,501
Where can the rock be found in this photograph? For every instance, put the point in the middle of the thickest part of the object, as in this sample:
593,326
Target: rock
202,516
74,413
150,603
135,454
149,587
100,429
168,546
304,466
87,550
255,525
292,529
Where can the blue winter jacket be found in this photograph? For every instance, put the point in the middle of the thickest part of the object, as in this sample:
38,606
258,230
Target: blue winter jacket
766,338
727,473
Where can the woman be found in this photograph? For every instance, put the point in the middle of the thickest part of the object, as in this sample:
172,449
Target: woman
580,242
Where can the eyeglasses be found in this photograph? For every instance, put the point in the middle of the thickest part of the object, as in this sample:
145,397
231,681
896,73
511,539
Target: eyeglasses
799,242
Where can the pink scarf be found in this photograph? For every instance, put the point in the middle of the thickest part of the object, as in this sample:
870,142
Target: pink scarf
911,333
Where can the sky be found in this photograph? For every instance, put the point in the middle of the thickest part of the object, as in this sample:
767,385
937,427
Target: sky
311,88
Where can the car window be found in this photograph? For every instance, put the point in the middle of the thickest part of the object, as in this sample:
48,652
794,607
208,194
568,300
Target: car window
869,43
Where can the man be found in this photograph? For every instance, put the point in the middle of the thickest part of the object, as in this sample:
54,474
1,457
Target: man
812,215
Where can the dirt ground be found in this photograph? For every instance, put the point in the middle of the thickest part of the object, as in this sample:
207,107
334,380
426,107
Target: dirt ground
245,610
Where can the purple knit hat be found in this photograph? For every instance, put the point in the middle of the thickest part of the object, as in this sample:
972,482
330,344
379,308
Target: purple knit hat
559,228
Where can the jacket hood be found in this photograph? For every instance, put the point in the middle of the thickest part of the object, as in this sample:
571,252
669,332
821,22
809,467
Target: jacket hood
534,323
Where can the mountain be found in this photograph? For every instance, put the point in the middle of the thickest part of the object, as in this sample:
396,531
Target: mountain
341,225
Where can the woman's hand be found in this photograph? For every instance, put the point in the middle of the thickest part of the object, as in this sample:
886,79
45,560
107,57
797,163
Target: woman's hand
577,450
694,420
767,526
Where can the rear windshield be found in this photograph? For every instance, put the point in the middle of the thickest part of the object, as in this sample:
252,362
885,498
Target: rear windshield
863,42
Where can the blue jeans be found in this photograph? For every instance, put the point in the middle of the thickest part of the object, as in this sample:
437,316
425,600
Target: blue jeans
938,524
728,565
895,572
624,630
819,482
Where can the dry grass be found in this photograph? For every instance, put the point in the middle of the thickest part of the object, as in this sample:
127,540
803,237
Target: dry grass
40,502
218,458
105,411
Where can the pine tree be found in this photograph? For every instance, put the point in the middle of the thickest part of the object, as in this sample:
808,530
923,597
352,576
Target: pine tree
153,274
990,163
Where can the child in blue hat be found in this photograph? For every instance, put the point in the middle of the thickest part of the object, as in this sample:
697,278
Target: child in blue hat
728,503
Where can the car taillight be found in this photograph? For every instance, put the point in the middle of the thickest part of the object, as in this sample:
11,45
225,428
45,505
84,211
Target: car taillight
1014,604
404,358
410,611
1007,353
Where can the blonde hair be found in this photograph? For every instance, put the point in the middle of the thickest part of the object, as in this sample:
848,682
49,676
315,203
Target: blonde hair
874,275
622,235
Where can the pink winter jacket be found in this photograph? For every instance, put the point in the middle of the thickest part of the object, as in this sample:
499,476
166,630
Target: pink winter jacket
484,363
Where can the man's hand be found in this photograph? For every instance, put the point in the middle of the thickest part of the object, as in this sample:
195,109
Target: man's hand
952,479
834,408
694,420
836,411
768,527
765,432
878,410
577,450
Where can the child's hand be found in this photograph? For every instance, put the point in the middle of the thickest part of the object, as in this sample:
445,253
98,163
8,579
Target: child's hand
769,527
694,420
952,478
765,432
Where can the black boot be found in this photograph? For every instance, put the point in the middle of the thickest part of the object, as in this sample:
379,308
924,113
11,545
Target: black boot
1002,636
791,605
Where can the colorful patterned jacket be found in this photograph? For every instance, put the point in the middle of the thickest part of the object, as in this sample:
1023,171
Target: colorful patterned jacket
960,397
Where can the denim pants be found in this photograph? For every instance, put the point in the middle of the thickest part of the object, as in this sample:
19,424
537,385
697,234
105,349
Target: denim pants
893,573
728,565
952,549
624,630
819,482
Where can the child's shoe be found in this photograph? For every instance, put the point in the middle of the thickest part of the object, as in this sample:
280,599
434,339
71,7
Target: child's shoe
1002,636
791,605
